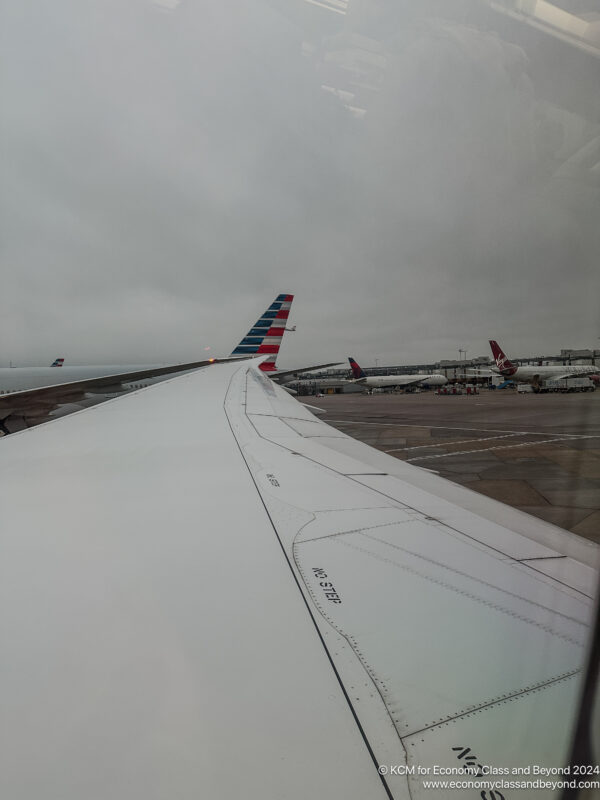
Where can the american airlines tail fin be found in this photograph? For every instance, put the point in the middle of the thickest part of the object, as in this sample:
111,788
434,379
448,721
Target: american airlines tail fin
503,363
58,362
357,372
265,335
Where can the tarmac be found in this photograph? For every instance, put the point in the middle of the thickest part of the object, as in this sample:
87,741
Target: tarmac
537,452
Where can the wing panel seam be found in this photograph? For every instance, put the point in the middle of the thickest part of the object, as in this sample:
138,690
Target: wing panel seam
497,701
302,595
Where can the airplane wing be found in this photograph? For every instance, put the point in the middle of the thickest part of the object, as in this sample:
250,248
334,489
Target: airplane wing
408,380
571,375
482,372
36,404
277,376
210,593
400,380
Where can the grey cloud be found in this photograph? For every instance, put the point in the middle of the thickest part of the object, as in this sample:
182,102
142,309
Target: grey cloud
167,172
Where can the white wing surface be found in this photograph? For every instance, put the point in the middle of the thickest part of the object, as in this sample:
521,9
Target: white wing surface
209,593
406,380
32,406
571,375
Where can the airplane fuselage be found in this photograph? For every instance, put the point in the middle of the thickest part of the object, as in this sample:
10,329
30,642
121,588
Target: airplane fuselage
527,374
391,381
535,374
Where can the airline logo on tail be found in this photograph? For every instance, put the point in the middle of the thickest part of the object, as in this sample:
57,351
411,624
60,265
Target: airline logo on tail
265,335
58,362
503,363
357,372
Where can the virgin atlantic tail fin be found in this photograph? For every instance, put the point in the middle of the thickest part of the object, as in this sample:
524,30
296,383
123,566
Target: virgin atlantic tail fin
503,363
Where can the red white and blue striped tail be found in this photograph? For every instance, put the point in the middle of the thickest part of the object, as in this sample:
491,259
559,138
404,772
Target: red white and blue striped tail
58,362
265,335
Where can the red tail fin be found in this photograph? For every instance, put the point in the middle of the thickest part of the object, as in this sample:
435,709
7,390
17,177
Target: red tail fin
356,370
503,363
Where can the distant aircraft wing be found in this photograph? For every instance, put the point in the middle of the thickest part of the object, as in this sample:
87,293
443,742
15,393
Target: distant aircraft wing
571,375
39,402
289,372
208,592
482,372
401,380
409,380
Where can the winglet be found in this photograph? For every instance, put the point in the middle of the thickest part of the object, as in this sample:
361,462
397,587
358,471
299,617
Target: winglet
357,372
265,335
503,363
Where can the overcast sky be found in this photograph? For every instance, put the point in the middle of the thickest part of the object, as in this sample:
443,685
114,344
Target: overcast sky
165,173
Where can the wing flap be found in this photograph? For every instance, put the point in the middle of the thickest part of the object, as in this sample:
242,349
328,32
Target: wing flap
465,523
455,501
467,740
432,682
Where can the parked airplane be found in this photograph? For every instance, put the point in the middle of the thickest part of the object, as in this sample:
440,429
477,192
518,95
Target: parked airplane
393,381
536,374
210,593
